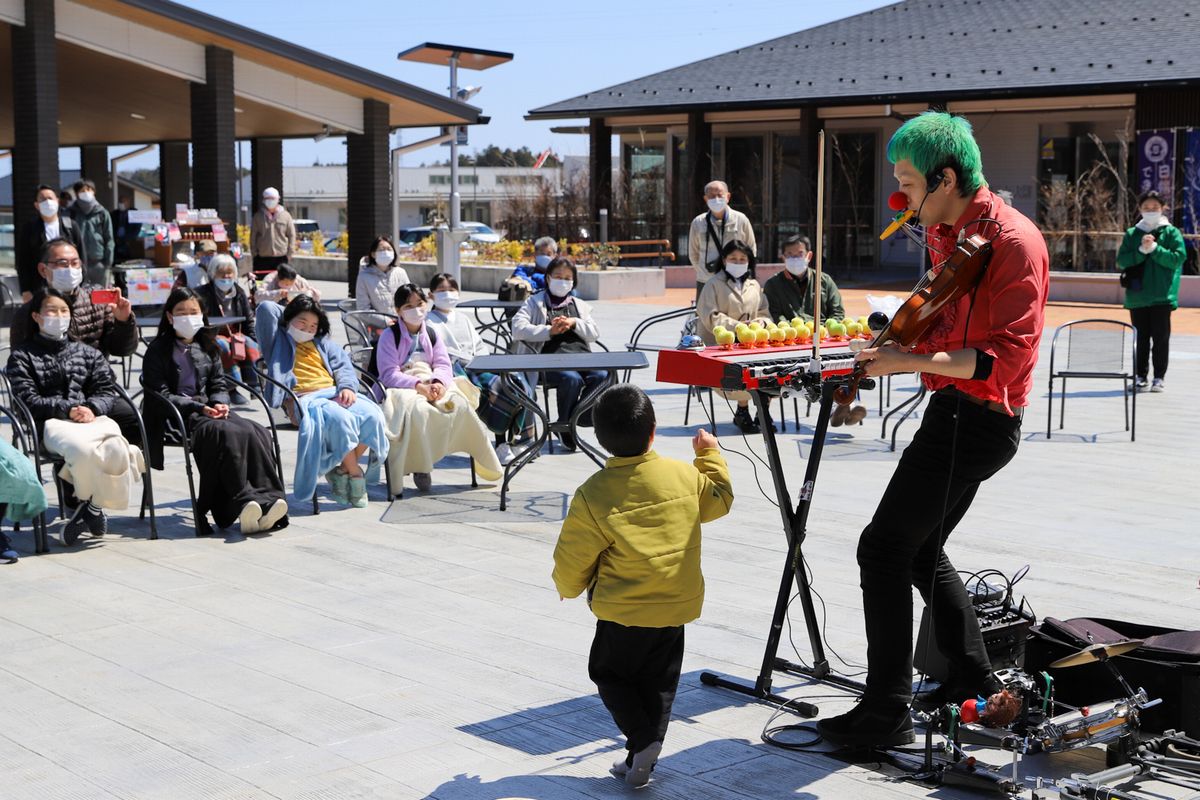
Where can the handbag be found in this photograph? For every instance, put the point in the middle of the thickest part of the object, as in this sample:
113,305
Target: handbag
717,264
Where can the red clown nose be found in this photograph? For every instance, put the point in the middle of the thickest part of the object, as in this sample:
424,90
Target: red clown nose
898,201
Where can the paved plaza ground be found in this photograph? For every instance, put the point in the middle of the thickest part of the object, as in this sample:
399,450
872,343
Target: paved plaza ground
419,650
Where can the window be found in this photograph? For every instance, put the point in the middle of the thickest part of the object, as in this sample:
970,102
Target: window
518,180
439,180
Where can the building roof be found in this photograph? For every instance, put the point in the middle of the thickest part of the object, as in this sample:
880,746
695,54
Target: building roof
67,178
929,49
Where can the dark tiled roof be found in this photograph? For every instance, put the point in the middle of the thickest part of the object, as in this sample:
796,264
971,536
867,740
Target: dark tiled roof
925,49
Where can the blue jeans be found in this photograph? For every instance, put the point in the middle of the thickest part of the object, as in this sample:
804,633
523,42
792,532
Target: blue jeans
245,374
572,386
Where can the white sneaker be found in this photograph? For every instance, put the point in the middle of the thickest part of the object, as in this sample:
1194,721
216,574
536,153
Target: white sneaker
505,454
643,763
1158,385
619,769
250,518
273,514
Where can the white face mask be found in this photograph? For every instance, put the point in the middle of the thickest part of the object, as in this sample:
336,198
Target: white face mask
716,204
384,258
413,316
48,208
299,335
66,279
270,203
796,266
87,197
187,325
737,270
446,300
54,327
1152,218
560,287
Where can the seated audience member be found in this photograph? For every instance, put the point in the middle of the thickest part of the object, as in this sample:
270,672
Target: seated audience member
790,292
285,283
729,297
69,389
195,274
223,297
545,250
429,414
336,425
378,280
235,456
553,321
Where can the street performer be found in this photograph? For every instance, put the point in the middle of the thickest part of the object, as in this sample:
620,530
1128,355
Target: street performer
977,361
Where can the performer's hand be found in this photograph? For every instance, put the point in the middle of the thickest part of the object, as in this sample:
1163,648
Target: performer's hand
884,360
703,440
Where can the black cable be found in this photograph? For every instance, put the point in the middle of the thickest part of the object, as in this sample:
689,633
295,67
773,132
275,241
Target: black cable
753,466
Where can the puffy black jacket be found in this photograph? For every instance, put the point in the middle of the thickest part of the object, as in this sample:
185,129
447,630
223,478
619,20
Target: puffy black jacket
160,376
90,324
52,377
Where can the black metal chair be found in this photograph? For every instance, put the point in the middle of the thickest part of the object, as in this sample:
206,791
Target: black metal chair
41,542
358,329
41,455
1103,349
175,435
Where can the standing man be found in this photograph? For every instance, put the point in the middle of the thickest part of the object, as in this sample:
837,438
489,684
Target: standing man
1151,260
272,233
712,230
790,293
95,233
977,360
48,226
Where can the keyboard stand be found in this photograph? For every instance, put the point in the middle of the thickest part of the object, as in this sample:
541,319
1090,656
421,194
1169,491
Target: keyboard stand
795,523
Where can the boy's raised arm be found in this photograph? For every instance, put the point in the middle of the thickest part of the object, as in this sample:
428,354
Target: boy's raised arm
716,489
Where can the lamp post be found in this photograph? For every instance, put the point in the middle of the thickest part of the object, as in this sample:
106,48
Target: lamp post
454,56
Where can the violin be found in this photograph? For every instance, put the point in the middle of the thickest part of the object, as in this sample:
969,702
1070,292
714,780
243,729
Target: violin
960,273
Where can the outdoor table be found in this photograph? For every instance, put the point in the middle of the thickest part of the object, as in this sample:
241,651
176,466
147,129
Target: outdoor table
213,322
509,366
495,331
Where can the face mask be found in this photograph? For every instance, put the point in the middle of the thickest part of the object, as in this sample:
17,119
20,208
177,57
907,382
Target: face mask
1152,218
87,198
66,279
384,257
796,266
737,270
54,327
560,287
445,300
48,208
542,261
225,284
270,203
187,325
716,204
204,260
300,335
413,316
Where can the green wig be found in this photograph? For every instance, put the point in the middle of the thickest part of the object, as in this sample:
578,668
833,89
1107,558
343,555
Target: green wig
935,140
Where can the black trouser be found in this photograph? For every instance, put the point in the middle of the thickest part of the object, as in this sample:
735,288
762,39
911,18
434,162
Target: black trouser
264,263
1153,325
902,548
636,671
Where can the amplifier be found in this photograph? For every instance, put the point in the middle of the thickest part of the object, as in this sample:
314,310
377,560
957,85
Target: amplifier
1005,629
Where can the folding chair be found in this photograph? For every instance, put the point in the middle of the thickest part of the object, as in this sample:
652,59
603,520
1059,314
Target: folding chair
1095,349
41,542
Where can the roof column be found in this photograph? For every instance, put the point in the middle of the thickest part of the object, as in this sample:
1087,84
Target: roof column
173,177
93,165
266,169
35,108
213,150
697,171
599,171
368,184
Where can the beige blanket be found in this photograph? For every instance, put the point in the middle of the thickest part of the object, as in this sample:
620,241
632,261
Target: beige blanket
421,433
102,465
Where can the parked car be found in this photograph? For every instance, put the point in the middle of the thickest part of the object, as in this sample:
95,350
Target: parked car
479,233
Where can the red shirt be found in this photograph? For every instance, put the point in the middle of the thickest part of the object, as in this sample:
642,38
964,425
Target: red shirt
1009,308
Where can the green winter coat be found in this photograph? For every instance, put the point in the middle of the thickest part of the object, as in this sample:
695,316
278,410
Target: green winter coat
789,299
95,233
1162,266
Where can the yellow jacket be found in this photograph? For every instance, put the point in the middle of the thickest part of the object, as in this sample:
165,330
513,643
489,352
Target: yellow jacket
633,533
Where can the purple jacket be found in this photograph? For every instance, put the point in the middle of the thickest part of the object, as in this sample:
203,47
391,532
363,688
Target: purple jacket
391,359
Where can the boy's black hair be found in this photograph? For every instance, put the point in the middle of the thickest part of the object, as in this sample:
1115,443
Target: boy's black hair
286,272
304,303
624,420
1152,194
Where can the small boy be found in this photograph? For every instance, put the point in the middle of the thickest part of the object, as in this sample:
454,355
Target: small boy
632,539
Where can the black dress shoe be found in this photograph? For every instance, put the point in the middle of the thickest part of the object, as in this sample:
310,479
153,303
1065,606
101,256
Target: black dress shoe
869,724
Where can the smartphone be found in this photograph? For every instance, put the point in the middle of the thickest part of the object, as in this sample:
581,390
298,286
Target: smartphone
104,296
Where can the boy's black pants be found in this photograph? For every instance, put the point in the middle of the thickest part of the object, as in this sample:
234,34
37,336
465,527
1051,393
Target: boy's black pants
636,671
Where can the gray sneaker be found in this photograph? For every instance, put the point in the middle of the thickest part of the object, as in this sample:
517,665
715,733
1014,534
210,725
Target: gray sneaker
1158,385
75,527
1141,385
96,521
423,480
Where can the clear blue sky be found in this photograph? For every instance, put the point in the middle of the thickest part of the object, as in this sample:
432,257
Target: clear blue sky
561,50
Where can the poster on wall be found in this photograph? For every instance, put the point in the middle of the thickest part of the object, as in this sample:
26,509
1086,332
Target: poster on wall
1190,206
1156,162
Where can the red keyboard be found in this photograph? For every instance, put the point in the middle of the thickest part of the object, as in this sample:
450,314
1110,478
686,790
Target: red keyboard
743,368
